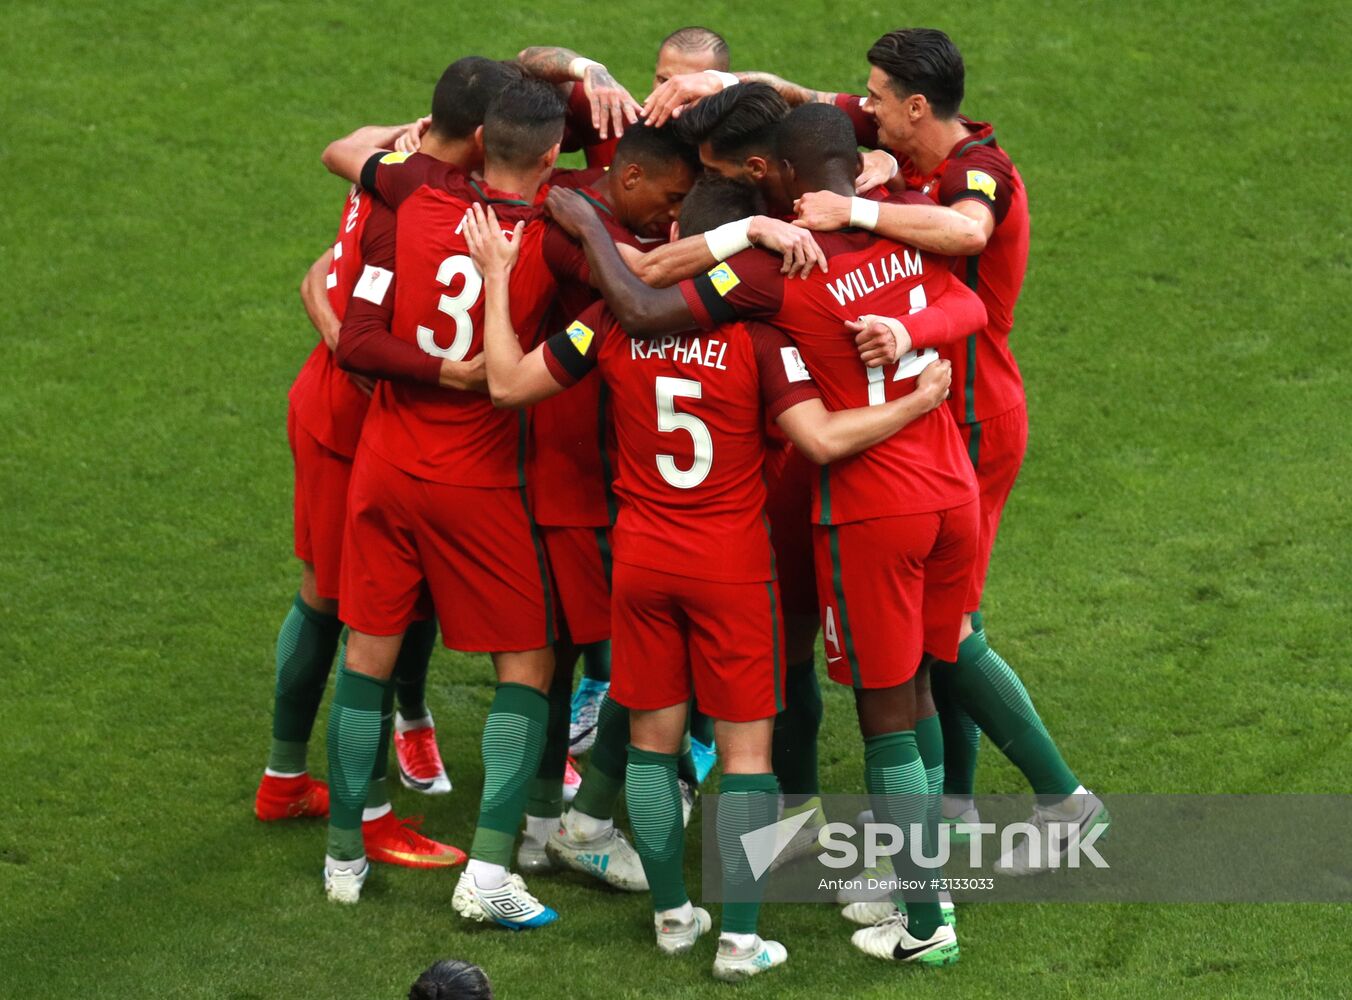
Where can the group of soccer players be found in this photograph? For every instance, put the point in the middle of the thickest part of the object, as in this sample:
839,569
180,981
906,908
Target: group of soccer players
735,383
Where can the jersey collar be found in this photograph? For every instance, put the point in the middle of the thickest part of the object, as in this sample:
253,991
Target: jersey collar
495,197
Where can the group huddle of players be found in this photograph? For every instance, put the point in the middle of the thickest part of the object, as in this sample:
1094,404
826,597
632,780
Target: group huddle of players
735,383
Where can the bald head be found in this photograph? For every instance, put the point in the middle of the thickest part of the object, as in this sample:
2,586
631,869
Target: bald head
690,50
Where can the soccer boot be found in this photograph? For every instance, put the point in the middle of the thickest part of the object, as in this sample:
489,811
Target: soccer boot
510,905
608,856
802,843
420,766
868,914
1058,825
532,856
676,936
967,817
891,940
872,885
343,879
572,781
394,841
705,757
689,795
295,797
733,964
585,710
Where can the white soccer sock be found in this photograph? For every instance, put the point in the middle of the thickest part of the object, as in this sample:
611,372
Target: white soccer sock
538,828
684,913
282,774
486,875
333,864
580,826
741,942
403,725
375,812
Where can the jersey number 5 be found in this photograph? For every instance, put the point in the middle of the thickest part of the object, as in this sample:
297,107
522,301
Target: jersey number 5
669,421
456,306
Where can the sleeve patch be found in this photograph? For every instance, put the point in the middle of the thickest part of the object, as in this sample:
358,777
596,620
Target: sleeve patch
794,368
979,180
373,284
391,158
580,336
724,279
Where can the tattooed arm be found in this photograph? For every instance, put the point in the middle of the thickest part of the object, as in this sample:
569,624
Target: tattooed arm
793,93
611,106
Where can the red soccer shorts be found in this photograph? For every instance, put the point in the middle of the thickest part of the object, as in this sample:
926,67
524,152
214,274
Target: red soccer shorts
579,563
892,590
997,457
674,633
472,549
320,505
788,504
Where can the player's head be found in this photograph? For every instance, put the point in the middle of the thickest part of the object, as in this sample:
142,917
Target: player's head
917,77
735,132
451,979
649,177
461,99
690,50
715,200
817,150
523,128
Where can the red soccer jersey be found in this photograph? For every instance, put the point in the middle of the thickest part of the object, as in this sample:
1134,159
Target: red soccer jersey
986,379
569,470
447,435
923,467
327,403
578,132
689,420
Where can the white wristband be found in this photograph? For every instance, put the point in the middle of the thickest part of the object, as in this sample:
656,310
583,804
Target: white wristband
578,67
728,239
727,79
863,213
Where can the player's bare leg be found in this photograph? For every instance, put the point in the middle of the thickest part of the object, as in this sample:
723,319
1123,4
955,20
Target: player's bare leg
513,741
306,646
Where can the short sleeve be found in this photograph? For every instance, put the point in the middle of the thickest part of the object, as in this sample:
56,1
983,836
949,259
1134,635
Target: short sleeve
747,285
865,125
985,175
392,177
784,378
571,354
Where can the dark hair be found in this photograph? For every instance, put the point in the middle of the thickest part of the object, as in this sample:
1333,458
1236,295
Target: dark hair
922,61
451,979
715,200
816,139
522,123
736,122
464,92
697,39
654,149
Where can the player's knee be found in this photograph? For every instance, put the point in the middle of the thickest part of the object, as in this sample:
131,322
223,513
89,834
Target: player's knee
372,655
885,710
533,668
309,592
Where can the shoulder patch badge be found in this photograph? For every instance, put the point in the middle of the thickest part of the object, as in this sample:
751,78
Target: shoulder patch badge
724,279
580,336
394,158
979,180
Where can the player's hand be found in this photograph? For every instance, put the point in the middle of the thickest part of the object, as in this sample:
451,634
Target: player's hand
797,246
879,167
469,376
411,139
881,340
934,382
570,210
492,251
611,105
822,211
364,385
676,94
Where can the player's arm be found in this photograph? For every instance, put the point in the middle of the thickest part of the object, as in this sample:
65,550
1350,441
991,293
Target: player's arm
915,220
612,107
665,265
956,312
515,379
794,94
315,296
825,436
346,156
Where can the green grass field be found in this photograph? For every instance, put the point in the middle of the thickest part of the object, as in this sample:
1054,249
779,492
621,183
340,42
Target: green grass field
1172,580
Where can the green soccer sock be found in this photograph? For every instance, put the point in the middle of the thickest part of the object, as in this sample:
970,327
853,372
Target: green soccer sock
514,737
746,802
354,741
596,661
794,750
305,648
961,734
544,797
992,694
655,814
378,791
895,778
410,669
604,780
929,741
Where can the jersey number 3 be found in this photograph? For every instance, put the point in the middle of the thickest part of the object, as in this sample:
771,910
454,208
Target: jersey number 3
456,306
670,421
